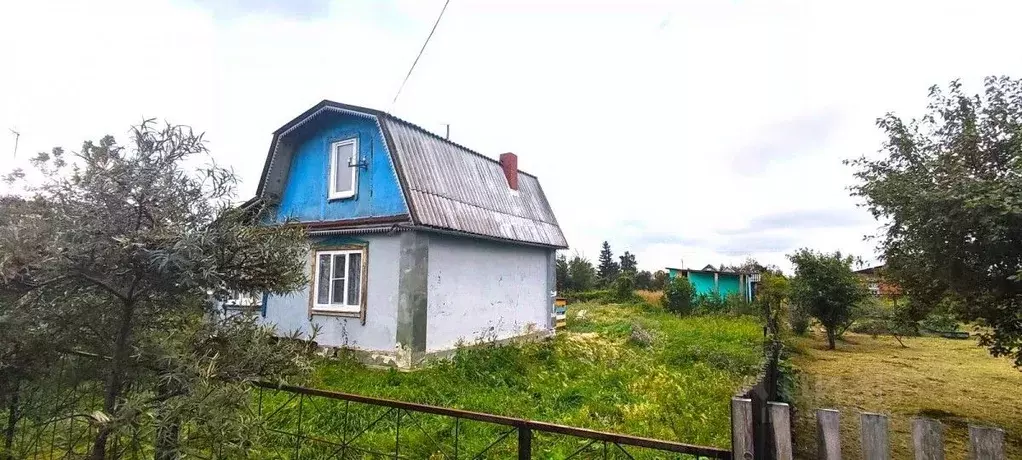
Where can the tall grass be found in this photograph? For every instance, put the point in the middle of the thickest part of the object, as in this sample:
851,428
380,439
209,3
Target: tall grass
675,386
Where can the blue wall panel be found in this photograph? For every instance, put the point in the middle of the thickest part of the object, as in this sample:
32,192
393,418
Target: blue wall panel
307,187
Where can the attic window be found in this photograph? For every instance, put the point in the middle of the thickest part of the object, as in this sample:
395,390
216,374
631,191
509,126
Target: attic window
343,173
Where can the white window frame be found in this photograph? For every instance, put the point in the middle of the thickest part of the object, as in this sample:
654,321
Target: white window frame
243,300
338,194
345,307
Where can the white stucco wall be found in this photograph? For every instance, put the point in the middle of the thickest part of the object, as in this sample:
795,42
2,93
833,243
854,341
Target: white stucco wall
290,312
482,290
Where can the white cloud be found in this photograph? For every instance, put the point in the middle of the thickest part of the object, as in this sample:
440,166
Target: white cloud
656,125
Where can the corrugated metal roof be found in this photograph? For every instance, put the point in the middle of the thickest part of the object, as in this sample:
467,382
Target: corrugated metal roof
447,186
454,188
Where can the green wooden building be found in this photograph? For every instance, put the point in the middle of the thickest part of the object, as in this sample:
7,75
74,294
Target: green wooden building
709,280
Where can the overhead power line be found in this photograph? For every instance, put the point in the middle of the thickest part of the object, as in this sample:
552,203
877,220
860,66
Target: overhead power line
416,61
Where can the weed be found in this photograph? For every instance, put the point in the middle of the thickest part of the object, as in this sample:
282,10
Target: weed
616,368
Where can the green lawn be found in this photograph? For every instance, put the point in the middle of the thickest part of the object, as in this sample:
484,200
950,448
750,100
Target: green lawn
954,381
593,375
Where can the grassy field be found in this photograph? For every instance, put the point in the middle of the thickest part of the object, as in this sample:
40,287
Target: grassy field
954,381
601,373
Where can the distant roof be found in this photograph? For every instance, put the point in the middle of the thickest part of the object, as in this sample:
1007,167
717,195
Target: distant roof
871,270
447,186
704,270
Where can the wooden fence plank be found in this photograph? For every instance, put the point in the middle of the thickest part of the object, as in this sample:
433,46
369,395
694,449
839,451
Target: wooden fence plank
828,428
875,444
780,427
986,443
927,439
742,440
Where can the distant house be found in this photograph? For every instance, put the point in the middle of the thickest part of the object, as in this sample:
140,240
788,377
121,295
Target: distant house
419,243
877,284
709,280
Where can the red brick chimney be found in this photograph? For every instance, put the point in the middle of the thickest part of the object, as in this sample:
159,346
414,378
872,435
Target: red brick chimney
509,162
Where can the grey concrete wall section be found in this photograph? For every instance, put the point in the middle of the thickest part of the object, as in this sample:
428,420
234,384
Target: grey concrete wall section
481,290
412,297
291,312
551,286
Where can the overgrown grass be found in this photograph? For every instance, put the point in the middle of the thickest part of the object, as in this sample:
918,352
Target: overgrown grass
651,297
954,381
671,379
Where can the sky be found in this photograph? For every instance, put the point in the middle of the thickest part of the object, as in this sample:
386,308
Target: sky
686,132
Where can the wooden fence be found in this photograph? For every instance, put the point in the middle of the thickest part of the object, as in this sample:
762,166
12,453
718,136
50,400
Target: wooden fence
985,443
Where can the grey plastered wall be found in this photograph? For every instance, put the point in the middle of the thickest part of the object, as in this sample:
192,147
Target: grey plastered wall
412,297
291,312
481,290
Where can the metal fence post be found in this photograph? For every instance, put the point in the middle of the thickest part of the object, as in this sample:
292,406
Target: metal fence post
524,443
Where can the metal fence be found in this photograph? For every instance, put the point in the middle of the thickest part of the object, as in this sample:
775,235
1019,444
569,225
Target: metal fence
56,419
490,436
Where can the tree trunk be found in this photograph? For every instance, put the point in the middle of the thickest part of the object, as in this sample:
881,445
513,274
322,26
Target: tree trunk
831,338
115,381
12,421
168,426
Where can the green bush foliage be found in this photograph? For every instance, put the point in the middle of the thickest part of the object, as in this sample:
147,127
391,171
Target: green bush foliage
799,319
599,295
678,296
624,287
826,287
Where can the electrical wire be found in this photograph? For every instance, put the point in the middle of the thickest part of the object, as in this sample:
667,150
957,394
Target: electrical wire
416,61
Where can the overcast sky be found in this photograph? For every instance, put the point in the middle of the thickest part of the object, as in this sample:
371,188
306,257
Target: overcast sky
688,132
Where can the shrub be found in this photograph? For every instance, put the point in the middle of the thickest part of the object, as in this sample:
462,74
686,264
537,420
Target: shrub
640,336
710,303
940,322
624,287
799,319
678,296
587,296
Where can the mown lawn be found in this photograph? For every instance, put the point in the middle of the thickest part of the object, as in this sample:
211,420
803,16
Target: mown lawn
594,375
954,381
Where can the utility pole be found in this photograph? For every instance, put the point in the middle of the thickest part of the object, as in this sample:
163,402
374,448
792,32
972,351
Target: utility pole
448,136
17,136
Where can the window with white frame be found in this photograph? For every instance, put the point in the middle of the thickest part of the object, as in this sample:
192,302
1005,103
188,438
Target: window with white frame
338,283
239,299
343,172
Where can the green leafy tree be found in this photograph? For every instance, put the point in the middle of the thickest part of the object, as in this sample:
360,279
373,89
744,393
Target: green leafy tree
679,296
581,274
628,263
562,273
827,288
947,189
608,268
660,279
624,287
773,292
118,253
644,280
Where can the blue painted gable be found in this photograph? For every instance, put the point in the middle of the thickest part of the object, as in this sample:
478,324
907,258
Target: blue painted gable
304,197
